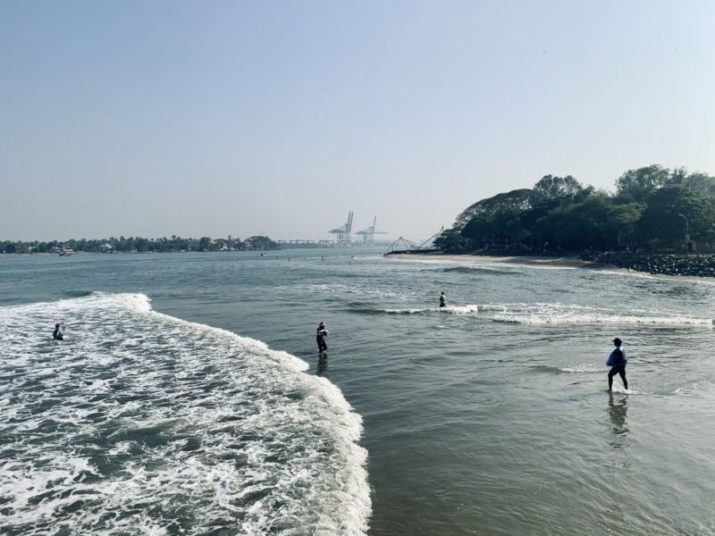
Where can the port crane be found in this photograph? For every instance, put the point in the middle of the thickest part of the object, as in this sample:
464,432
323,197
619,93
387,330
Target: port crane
344,238
368,235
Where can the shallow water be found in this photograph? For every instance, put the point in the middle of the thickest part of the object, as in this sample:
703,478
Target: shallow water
488,417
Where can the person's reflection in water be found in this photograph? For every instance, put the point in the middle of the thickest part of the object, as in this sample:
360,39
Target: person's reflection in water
322,364
618,411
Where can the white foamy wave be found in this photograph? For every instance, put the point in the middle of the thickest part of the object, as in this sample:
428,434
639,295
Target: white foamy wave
460,309
408,311
139,303
140,423
450,309
600,319
565,314
619,390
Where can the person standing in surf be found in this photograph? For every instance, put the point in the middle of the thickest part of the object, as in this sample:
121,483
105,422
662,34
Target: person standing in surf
57,334
320,335
617,361
442,300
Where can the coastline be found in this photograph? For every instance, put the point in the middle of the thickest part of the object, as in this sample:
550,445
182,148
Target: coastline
530,260
671,264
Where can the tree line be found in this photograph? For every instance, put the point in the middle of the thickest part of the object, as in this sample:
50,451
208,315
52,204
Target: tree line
652,209
140,245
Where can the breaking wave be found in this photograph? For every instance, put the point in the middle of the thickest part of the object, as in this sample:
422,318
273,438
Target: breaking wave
141,423
562,314
547,314
450,309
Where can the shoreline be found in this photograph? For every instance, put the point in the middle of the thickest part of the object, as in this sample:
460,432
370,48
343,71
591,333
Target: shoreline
529,260
671,264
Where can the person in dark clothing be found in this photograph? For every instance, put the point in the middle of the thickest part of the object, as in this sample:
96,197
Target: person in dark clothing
320,335
57,334
617,361
442,300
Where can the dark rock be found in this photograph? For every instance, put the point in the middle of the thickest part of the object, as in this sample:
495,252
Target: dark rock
658,263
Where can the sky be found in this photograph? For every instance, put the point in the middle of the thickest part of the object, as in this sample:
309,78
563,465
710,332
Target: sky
215,118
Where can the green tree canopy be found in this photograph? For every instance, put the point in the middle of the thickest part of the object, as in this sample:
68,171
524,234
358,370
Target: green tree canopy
653,208
673,212
553,190
637,184
513,201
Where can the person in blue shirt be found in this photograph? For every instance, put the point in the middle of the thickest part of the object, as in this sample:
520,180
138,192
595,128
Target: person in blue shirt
617,361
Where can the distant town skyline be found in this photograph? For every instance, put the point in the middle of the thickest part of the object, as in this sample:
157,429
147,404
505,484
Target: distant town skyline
264,118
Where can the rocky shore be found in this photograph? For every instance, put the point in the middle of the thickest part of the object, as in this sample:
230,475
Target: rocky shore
654,263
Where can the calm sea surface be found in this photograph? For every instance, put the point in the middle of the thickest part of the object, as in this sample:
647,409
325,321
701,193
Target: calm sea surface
188,397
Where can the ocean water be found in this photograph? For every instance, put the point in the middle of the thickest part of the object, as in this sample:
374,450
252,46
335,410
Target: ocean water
188,397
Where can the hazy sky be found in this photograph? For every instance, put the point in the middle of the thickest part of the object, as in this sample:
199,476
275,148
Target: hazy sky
155,118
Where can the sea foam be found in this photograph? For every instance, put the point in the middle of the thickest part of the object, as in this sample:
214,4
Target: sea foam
142,423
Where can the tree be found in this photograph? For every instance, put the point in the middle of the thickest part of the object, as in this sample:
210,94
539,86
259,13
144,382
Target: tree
204,243
261,242
576,226
653,207
673,212
623,223
637,184
556,189
515,200
699,183
452,241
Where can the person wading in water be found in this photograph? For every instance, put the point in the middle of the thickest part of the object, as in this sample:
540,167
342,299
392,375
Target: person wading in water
57,334
617,361
320,335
